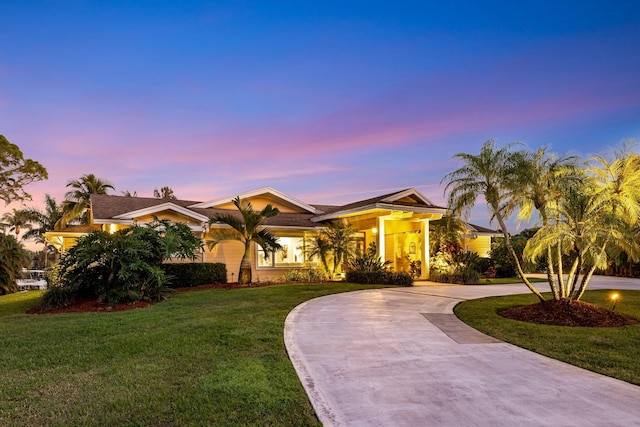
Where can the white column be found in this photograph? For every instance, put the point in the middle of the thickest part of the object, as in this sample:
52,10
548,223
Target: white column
380,243
424,230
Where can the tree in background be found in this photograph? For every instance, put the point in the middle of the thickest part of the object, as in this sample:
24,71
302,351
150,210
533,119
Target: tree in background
16,172
13,258
164,193
44,222
77,201
16,220
246,229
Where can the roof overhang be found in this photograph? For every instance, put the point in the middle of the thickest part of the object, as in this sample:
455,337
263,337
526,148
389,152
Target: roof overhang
384,208
264,191
168,206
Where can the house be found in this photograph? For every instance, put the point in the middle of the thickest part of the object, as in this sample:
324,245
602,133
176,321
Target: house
398,223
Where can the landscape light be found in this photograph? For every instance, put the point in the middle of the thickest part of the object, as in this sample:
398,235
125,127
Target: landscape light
614,297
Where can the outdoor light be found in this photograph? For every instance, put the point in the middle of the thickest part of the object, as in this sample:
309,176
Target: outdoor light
374,230
614,298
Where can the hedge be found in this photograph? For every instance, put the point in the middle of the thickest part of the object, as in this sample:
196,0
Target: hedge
381,278
196,273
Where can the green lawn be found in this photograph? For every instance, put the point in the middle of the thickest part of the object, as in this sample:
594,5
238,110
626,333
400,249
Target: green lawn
609,351
210,357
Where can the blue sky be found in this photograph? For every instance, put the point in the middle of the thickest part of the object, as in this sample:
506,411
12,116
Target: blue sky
326,101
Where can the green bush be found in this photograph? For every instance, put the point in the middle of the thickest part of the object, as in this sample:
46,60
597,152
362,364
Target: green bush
195,273
58,296
307,274
466,276
379,277
13,258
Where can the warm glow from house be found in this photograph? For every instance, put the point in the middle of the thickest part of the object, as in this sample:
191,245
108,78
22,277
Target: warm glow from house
374,230
112,228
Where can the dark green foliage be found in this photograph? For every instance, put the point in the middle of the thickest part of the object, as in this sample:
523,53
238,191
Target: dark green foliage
462,277
125,266
502,260
307,274
13,258
380,277
196,274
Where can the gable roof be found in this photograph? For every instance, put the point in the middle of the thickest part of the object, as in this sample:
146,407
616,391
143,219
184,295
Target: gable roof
268,192
408,199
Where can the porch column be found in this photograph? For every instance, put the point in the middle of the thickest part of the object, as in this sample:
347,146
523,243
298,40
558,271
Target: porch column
380,238
424,230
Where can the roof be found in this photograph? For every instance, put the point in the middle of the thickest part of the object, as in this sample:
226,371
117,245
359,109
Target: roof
109,209
477,229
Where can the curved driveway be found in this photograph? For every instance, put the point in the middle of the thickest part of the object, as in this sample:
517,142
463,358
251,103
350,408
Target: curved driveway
399,357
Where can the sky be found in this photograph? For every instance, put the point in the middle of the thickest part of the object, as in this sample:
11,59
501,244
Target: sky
327,101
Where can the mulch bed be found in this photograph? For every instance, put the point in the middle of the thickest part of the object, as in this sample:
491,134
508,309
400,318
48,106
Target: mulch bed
562,313
91,305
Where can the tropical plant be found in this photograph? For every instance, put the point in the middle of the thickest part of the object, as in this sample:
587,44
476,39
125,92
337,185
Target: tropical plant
495,174
247,228
13,258
318,246
16,172
45,222
595,221
338,235
77,201
126,265
16,220
164,193
369,262
128,193
445,232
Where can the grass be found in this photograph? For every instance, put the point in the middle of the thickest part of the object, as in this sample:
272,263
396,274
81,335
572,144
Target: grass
609,351
209,357
509,280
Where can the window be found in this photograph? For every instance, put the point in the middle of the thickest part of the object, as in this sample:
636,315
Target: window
291,254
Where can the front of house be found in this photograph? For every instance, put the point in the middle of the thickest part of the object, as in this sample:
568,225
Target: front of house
398,224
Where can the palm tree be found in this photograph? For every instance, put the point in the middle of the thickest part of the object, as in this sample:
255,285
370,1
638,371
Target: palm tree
319,246
77,203
46,221
247,229
542,180
492,174
338,235
596,219
444,231
17,220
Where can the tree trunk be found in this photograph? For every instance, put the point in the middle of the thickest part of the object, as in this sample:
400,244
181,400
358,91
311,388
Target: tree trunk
507,240
244,275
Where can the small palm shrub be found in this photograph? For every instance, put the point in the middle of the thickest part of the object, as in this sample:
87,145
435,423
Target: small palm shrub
371,269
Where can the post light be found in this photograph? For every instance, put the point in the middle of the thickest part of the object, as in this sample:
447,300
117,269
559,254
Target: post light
615,298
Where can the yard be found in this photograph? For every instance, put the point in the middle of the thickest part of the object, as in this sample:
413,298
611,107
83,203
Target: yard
609,351
206,357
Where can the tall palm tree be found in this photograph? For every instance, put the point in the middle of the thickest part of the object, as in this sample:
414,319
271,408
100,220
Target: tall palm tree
246,229
77,201
493,174
17,220
542,179
45,221
596,219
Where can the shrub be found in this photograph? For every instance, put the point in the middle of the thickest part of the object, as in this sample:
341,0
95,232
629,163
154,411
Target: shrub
307,274
196,273
461,276
13,258
456,267
58,296
381,278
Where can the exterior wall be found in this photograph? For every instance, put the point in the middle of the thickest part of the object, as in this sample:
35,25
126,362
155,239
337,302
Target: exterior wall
480,245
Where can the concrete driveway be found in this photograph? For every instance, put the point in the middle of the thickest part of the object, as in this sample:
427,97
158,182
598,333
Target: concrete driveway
399,357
